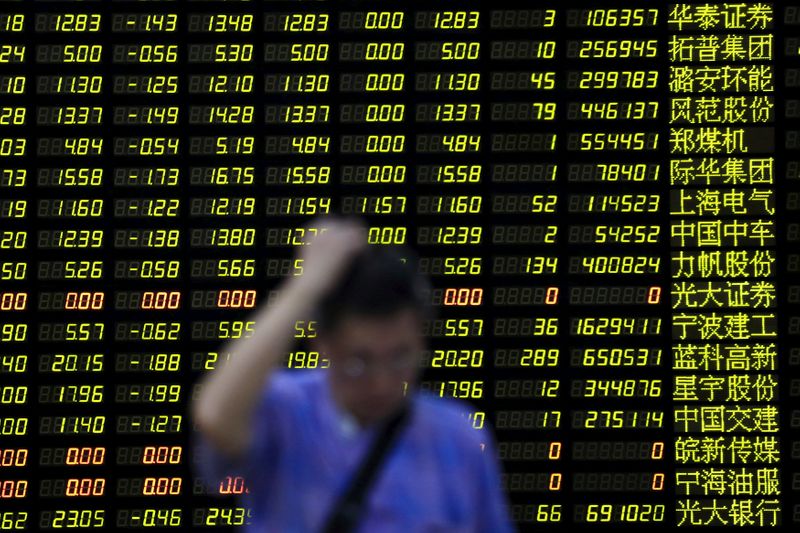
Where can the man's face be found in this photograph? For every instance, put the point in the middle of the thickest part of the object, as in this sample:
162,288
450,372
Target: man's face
372,359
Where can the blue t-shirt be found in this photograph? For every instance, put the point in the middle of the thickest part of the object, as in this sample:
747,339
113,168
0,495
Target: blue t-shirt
440,474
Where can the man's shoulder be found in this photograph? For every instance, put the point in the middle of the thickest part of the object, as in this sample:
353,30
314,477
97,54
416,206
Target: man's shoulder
293,383
297,376
449,416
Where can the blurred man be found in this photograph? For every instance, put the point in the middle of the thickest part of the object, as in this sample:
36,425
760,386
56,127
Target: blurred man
299,436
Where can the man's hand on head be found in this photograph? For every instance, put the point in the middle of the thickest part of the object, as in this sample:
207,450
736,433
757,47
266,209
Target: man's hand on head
330,250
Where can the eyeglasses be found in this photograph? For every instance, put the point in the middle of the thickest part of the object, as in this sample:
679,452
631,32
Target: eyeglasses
356,366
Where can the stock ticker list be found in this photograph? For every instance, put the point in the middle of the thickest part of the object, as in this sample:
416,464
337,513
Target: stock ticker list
604,194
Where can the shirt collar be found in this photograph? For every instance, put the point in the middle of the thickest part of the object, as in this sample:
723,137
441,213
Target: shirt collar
344,421
347,424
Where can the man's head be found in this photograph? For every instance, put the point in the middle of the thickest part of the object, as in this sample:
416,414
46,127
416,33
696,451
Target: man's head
370,327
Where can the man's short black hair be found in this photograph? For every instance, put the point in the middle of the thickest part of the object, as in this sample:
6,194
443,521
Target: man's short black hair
380,281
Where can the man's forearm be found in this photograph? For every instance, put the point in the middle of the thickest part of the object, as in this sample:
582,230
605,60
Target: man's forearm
229,394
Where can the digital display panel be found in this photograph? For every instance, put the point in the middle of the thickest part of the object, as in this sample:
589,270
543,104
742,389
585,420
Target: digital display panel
605,195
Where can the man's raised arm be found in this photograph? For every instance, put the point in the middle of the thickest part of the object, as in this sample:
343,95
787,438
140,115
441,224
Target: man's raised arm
229,394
